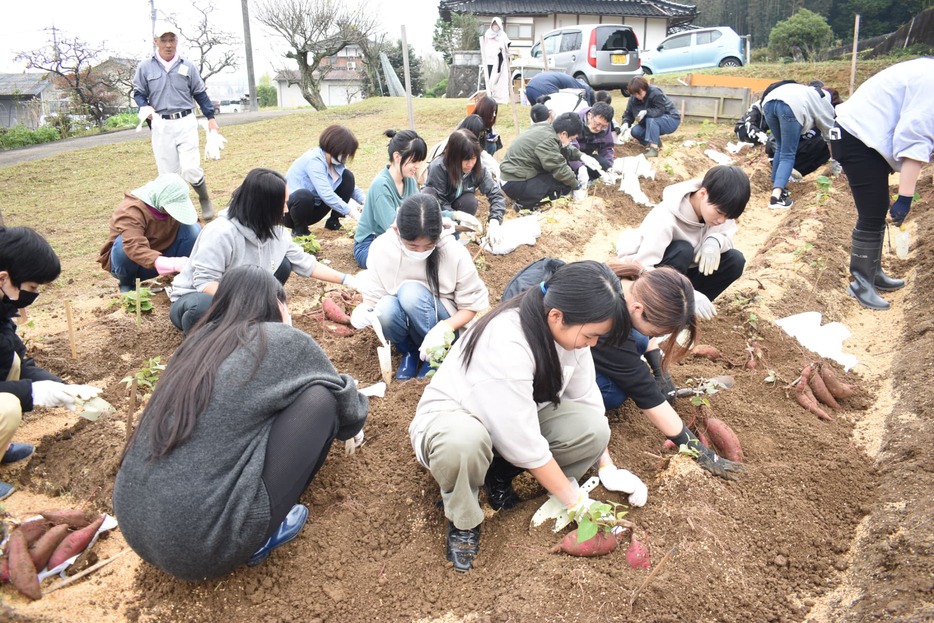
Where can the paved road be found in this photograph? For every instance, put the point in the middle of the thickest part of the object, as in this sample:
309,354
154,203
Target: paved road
44,150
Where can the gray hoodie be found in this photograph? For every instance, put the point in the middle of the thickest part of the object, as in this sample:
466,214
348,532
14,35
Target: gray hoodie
227,243
672,219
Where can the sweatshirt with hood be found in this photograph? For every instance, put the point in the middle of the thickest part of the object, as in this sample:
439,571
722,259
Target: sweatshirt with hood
226,243
672,219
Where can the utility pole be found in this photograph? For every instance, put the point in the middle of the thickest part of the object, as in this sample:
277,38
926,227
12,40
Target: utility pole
152,14
248,44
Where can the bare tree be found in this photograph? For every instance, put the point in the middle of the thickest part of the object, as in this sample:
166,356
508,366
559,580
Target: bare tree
215,48
72,65
314,31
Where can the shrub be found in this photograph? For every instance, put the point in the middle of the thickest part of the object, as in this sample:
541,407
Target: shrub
438,90
805,31
21,136
121,121
266,95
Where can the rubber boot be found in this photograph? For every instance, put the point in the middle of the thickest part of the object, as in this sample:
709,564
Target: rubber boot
882,281
865,252
204,198
498,484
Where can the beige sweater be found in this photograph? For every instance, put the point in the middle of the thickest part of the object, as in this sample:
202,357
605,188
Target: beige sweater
497,390
388,268
672,219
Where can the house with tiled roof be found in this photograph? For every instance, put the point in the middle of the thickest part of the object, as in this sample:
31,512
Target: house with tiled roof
26,99
527,20
341,85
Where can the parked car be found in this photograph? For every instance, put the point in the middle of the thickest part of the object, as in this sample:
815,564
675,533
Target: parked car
696,49
606,56
229,106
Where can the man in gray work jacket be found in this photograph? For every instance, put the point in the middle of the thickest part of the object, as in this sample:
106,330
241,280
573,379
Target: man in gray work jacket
167,87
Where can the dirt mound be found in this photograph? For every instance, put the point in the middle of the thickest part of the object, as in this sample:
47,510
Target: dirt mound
823,511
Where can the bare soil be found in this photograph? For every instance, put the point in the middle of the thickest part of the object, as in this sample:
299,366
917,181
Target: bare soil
830,522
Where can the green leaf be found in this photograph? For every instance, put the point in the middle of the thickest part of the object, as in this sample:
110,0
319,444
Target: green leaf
586,529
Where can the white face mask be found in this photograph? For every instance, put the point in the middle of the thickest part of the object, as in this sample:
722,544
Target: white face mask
417,255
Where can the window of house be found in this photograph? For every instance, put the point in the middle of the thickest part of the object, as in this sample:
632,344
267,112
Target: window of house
519,31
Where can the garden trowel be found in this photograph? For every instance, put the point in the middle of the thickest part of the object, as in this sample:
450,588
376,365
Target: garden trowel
554,509
383,353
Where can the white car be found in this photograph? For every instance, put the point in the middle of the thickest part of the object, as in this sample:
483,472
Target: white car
229,106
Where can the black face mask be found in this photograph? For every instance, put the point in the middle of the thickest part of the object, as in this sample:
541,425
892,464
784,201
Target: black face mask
25,299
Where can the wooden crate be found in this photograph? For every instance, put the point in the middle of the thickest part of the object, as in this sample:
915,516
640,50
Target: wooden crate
715,103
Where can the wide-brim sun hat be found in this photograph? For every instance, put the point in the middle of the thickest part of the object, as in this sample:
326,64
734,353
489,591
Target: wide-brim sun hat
169,193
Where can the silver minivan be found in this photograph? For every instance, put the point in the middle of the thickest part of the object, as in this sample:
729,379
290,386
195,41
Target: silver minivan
606,56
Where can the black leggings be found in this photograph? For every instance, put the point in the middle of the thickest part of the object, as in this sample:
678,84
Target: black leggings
467,202
299,442
529,193
307,208
680,254
868,175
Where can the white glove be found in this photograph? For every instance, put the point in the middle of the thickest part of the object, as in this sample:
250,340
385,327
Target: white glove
55,394
640,116
437,336
703,307
213,145
576,501
351,282
835,168
353,209
708,256
493,233
363,316
467,220
582,177
591,163
144,113
615,479
624,134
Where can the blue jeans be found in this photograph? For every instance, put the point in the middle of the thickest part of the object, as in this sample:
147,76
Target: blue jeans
787,132
613,396
127,271
652,128
409,315
361,250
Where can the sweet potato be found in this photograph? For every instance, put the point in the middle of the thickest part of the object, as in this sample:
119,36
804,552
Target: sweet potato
702,436
34,529
838,388
820,390
334,311
669,445
22,572
805,396
638,555
340,330
71,517
600,545
45,546
706,350
724,439
4,570
74,543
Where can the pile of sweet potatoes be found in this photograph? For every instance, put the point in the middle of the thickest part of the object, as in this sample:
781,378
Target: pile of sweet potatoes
45,543
819,387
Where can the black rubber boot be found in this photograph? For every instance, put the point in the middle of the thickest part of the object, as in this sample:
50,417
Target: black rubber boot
204,198
498,484
882,281
462,547
865,254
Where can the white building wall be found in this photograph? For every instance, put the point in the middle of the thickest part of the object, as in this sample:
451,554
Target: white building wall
333,92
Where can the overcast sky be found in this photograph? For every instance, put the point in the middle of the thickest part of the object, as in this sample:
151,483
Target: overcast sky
123,27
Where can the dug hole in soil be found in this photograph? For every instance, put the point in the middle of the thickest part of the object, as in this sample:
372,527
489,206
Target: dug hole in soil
831,521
